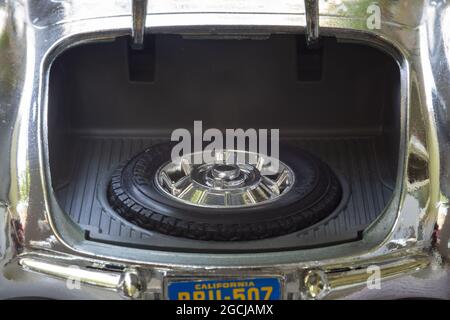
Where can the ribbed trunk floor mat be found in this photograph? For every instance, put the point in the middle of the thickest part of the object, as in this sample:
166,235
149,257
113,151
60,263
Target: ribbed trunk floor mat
94,158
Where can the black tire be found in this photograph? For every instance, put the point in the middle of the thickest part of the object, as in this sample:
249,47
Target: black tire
134,195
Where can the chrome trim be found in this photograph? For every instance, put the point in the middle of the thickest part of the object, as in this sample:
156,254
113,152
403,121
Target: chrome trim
136,283
312,22
103,279
139,17
246,184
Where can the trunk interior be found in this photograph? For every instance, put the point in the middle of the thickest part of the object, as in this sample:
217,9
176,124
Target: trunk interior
107,102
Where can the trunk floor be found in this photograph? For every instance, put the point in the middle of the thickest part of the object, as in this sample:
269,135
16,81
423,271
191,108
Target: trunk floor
94,158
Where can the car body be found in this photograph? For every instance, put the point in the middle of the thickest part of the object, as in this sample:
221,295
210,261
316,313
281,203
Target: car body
43,254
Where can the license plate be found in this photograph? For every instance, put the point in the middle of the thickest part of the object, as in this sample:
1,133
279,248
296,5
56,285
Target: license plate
230,289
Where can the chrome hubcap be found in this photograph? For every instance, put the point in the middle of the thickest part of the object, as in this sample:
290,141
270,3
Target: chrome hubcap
231,178
225,171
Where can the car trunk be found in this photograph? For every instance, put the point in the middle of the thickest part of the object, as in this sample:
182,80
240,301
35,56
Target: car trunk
107,102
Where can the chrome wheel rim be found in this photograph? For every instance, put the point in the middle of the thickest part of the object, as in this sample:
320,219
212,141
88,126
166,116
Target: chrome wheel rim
226,179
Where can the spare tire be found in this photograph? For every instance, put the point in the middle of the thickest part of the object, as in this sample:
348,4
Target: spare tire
135,195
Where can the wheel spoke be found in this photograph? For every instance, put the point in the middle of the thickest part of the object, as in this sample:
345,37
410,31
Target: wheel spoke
282,178
272,185
185,191
250,196
260,163
268,190
186,166
166,180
